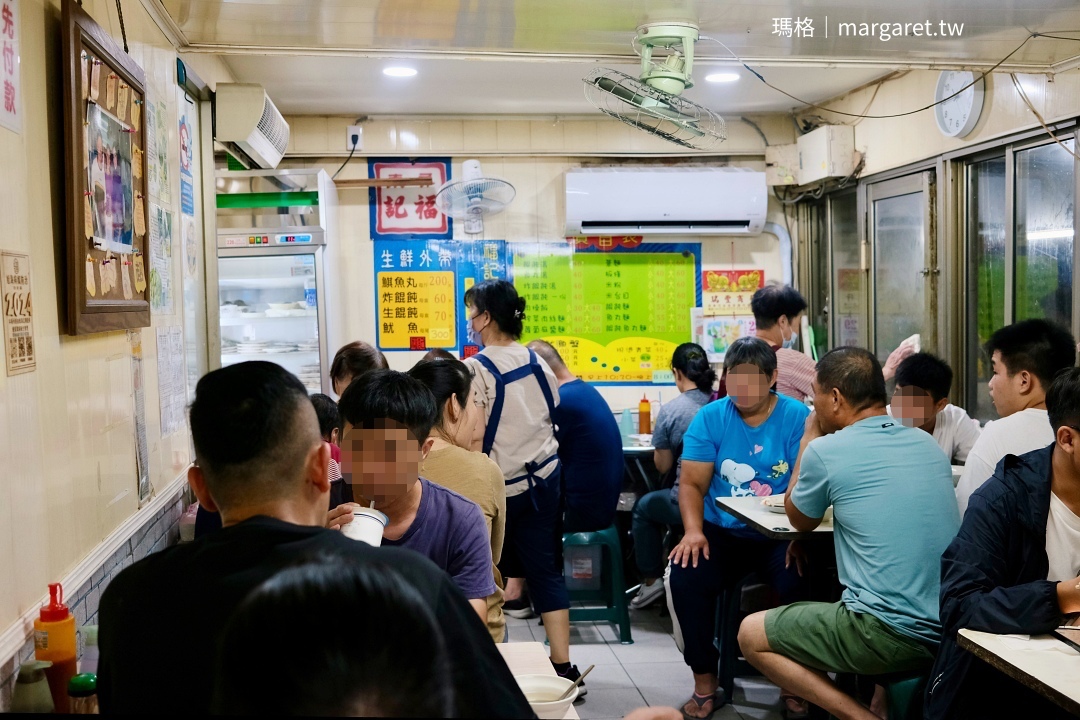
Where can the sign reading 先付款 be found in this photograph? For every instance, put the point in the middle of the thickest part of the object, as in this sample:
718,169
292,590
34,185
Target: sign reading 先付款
18,313
11,102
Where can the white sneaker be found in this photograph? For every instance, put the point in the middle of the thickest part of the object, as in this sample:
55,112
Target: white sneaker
647,595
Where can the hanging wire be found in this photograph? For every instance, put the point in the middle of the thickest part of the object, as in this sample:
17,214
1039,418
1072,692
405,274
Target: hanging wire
1031,107
123,30
895,115
334,176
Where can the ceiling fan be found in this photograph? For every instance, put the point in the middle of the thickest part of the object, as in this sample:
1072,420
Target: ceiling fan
653,101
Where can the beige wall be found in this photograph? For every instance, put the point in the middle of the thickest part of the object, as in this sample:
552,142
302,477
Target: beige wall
895,142
67,451
534,165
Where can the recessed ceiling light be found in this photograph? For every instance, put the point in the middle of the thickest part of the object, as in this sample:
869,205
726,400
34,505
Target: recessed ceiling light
399,71
722,77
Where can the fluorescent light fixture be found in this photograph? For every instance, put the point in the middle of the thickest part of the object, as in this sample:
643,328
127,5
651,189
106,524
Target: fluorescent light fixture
722,77
400,72
1050,234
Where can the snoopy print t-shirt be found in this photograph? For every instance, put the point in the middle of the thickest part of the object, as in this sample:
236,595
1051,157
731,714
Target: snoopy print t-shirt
746,460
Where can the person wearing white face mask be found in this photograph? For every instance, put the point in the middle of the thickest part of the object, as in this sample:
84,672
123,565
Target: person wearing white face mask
518,392
778,311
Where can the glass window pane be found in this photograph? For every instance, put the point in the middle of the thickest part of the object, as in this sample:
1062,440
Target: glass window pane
849,280
986,276
1044,233
899,287
819,264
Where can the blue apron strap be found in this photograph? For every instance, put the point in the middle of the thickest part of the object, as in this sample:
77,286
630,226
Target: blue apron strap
496,408
541,378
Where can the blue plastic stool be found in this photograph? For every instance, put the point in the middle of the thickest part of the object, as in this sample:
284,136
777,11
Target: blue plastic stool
611,595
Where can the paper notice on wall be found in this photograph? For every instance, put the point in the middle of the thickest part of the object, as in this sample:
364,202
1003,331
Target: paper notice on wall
18,313
172,388
161,260
138,384
157,152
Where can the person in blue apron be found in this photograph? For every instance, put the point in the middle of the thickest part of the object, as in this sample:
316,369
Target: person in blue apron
518,393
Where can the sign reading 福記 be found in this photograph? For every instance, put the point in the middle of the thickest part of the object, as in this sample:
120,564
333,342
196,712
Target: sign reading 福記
408,213
18,313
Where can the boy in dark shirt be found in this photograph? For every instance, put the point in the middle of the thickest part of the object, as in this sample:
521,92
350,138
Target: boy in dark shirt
388,417
161,618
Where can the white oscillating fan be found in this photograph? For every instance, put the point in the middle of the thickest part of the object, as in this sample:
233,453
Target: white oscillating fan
652,101
473,197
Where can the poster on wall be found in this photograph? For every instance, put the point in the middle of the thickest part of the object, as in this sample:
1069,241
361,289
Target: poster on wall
715,334
420,288
728,292
172,385
408,213
138,384
161,260
10,71
110,181
615,311
157,151
18,313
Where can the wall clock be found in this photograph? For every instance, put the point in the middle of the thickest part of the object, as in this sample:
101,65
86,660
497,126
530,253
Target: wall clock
958,116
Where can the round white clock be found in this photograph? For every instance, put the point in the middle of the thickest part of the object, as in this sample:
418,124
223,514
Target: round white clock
959,115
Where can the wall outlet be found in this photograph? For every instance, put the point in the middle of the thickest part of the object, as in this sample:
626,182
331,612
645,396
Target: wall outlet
358,131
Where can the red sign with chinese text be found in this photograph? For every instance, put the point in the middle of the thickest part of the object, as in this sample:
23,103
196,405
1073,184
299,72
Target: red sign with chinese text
10,100
728,292
409,211
607,242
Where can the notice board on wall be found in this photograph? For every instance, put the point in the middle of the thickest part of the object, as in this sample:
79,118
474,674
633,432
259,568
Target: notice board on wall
615,312
420,288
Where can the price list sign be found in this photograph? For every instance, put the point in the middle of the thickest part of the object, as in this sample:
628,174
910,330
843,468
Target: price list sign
615,316
420,286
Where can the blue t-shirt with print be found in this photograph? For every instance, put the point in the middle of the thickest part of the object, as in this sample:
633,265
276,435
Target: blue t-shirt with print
746,460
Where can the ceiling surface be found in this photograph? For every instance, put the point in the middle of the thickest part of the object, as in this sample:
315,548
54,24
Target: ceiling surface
528,56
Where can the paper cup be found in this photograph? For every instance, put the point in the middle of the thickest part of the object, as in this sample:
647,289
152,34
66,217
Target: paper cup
367,526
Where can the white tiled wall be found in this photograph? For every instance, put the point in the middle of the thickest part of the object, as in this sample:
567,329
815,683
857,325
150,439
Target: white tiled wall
67,457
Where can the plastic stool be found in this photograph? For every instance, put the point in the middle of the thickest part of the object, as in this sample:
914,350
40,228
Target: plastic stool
749,595
616,610
903,693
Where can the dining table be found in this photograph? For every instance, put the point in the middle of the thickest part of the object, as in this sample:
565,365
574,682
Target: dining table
634,465
530,658
772,524
1042,663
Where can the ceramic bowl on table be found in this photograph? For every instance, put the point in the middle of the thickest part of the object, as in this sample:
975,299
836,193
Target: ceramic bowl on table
542,690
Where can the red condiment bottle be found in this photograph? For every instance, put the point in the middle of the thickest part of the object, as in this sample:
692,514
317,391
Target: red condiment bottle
54,640
644,416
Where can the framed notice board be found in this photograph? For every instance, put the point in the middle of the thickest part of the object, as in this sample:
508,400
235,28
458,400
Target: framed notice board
106,174
616,313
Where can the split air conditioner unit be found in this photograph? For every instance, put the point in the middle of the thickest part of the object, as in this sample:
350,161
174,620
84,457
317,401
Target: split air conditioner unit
248,124
665,201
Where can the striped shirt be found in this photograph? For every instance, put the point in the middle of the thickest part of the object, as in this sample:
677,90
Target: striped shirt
795,373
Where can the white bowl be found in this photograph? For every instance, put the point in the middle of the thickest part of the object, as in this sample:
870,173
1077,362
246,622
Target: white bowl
541,691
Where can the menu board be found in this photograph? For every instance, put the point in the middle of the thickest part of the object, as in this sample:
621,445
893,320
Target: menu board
420,288
615,315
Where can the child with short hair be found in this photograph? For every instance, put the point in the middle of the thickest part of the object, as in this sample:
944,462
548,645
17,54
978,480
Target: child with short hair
330,429
921,399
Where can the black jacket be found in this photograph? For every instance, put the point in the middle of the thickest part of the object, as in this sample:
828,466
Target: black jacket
993,578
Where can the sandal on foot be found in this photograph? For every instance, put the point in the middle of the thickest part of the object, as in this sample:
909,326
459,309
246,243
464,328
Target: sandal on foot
786,700
717,699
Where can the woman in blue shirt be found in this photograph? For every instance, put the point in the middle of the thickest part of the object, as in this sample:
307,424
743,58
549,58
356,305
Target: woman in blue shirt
743,445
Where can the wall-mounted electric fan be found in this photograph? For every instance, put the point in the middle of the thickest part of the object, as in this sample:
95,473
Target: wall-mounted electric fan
473,197
652,101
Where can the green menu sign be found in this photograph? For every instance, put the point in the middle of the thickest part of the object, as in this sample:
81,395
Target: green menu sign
615,315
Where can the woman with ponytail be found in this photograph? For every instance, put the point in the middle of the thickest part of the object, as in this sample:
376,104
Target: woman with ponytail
654,511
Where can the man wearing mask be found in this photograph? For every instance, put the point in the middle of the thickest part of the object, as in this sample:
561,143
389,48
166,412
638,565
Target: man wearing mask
778,311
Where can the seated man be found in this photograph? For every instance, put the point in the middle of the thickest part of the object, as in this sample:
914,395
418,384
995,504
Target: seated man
890,488
388,418
261,463
921,400
590,448
1026,357
1012,568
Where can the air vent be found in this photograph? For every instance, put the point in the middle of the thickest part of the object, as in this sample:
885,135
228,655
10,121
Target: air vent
249,125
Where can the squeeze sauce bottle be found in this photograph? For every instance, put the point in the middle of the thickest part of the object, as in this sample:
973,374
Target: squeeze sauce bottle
644,416
54,640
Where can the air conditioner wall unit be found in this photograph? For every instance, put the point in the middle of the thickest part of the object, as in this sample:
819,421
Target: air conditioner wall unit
665,201
248,124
